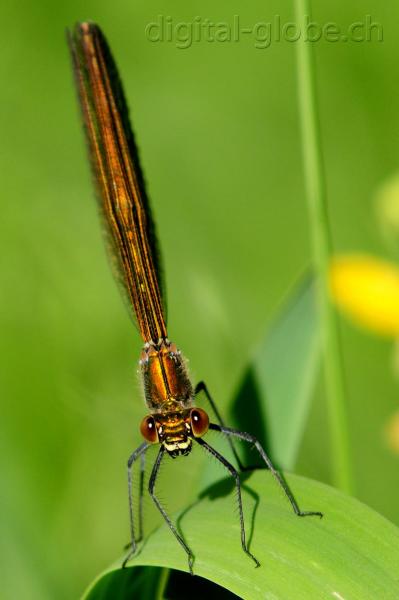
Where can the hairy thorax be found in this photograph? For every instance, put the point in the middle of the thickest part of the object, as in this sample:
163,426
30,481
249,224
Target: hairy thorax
167,386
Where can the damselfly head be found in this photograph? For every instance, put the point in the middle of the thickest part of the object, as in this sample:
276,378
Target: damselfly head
175,429
168,428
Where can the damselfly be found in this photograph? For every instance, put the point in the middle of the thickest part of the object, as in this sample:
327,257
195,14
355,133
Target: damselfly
174,422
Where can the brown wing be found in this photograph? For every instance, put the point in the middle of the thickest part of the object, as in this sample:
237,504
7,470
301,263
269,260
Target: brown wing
118,177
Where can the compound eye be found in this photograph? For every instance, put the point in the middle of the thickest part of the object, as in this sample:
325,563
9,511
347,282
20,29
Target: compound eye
148,429
199,422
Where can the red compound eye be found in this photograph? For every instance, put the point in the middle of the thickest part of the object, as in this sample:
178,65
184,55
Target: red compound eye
199,421
148,429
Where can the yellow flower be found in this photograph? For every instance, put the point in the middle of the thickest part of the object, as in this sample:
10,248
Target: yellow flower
392,432
367,289
387,208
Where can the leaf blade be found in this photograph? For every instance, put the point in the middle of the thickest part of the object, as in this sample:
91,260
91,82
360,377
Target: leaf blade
281,377
352,552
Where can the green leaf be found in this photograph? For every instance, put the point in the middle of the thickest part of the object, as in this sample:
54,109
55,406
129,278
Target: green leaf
281,378
146,583
155,583
352,553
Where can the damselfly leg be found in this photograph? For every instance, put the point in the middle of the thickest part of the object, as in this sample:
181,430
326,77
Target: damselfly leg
138,453
234,473
151,489
141,495
247,437
202,387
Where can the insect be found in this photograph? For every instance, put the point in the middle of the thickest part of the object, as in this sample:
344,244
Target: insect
174,422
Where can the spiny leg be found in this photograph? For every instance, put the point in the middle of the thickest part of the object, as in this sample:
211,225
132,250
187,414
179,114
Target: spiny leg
141,495
202,387
140,451
236,476
151,486
247,437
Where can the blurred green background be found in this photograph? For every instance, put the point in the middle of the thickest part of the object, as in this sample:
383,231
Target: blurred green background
217,127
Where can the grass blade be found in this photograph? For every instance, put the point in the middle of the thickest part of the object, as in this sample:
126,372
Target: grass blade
322,251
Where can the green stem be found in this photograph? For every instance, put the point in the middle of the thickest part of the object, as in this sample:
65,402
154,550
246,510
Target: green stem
322,251
163,580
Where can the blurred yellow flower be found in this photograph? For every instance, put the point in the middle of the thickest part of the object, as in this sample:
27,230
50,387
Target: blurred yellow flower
367,289
392,432
387,208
